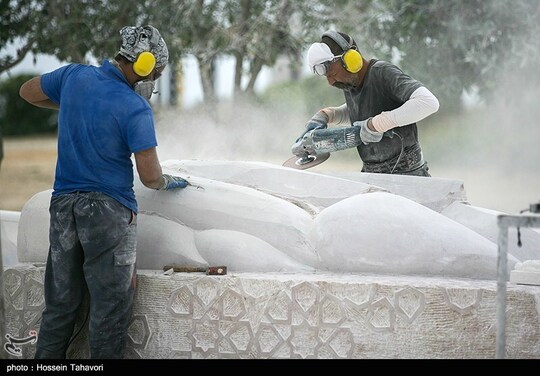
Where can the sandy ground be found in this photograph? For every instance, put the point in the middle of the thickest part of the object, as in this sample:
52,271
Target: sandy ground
27,168
29,163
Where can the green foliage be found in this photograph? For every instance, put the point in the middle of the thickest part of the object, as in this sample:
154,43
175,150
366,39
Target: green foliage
18,117
256,33
450,46
19,20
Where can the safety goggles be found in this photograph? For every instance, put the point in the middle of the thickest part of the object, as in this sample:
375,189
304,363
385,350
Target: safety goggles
322,68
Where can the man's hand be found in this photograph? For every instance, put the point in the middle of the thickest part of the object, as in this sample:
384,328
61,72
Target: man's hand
172,182
366,134
318,121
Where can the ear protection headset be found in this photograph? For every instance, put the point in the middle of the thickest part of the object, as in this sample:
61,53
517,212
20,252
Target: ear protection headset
146,61
144,64
350,59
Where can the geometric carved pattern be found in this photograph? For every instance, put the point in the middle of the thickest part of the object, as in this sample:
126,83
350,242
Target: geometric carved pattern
139,332
23,295
12,282
304,339
232,304
207,317
241,336
206,291
461,300
331,311
181,302
409,303
305,295
359,296
24,303
204,334
279,310
226,325
381,315
269,340
305,303
341,343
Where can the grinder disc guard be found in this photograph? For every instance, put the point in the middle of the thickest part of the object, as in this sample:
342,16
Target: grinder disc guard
303,163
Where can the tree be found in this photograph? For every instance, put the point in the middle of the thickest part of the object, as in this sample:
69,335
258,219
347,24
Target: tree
450,46
258,36
18,21
262,31
18,117
66,29
254,32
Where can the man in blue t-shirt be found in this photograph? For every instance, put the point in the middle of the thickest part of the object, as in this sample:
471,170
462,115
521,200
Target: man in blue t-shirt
104,118
380,100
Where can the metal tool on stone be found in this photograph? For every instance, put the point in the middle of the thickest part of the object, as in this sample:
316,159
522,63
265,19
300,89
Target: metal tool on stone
305,162
314,147
209,270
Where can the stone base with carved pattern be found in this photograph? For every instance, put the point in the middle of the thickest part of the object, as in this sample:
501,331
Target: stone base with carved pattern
311,315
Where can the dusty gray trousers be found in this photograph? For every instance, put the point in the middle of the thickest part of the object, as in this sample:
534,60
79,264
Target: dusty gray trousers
92,245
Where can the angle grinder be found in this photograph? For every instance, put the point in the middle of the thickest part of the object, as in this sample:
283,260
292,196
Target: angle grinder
315,146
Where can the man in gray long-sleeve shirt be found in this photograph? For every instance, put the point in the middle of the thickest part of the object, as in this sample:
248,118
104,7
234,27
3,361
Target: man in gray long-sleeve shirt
380,99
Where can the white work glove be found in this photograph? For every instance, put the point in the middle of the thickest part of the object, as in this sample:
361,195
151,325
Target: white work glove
366,134
318,121
172,182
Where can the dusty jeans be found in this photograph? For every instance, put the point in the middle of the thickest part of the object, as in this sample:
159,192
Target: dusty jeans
92,245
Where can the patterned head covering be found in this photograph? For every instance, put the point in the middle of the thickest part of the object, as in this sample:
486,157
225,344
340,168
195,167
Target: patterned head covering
143,38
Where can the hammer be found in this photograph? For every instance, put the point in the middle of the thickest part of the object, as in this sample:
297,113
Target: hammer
209,270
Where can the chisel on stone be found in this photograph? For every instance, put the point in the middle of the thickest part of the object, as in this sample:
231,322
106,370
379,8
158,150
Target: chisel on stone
209,270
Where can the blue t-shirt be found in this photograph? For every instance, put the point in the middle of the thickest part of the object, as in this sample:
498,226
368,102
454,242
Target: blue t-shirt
102,121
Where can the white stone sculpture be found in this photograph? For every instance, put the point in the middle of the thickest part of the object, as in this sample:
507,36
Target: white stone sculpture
388,234
484,222
244,252
9,223
161,241
526,273
256,217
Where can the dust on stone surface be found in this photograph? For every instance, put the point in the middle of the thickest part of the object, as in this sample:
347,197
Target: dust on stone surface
29,164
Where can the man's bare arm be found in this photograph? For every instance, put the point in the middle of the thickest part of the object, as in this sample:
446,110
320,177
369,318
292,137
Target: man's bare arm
31,92
149,168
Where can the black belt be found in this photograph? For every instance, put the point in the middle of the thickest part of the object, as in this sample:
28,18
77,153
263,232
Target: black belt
409,160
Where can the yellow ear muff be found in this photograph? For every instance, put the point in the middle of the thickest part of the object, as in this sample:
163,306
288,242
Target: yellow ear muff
145,63
352,61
